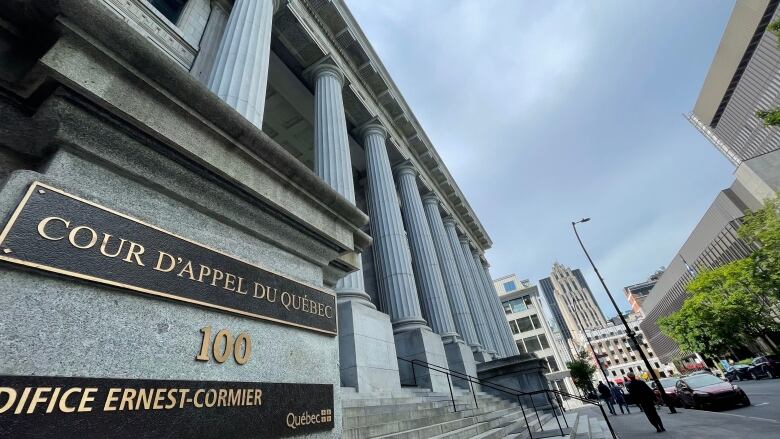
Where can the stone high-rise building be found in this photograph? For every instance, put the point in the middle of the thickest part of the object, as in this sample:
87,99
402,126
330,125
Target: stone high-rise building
575,300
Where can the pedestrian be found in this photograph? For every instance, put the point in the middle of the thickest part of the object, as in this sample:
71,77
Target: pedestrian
606,395
617,396
645,398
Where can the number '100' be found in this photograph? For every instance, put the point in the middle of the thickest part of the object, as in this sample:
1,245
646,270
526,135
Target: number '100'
224,346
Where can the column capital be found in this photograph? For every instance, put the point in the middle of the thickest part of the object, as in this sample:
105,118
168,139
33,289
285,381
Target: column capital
464,240
406,167
373,127
325,67
448,221
431,198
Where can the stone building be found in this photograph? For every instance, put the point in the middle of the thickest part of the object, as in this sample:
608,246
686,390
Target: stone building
532,333
575,300
264,134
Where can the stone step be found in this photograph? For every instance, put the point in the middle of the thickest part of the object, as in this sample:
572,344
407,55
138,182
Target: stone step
494,427
416,406
440,428
394,414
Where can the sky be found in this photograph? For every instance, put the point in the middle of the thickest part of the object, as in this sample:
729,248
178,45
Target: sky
549,111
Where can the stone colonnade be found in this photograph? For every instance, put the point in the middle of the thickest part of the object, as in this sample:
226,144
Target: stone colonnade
435,294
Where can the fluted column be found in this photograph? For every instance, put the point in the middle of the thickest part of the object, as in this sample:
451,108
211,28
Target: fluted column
332,161
510,347
459,306
209,43
427,273
240,73
483,295
473,297
392,258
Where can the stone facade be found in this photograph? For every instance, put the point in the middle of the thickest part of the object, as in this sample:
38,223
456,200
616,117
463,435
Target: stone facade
254,128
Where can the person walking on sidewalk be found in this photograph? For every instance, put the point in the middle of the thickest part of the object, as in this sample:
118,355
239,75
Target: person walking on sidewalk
606,395
645,398
617,396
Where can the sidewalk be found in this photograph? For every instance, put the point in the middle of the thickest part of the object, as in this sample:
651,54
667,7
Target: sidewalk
690,424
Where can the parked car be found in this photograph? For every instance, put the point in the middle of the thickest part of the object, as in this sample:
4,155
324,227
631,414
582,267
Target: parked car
738,372
708,391
765,366
670,387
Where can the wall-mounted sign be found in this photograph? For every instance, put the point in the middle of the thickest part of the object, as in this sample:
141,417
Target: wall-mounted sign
49,407
54,231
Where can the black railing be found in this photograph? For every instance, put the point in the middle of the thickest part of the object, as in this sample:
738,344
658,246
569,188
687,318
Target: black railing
516,394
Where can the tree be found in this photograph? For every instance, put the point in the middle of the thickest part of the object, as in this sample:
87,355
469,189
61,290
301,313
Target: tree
762,227
738,302
582,371
771,117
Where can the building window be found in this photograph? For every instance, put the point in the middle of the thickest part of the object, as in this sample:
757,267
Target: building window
515,305
524,324
552,365
614,374
513,325
510,286
543,341
171,9
520,346
532,344
535,320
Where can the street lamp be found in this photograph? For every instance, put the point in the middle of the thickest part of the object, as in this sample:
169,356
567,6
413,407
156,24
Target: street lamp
629,333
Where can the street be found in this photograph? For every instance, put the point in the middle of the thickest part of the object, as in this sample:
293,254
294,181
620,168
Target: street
760,420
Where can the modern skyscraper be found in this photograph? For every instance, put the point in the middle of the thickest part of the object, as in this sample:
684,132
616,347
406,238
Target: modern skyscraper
548,290
575,300
743,78
637,293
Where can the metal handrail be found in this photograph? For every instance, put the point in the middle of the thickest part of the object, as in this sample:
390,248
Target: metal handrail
514,392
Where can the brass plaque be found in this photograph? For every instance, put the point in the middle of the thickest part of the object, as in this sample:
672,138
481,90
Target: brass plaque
58,232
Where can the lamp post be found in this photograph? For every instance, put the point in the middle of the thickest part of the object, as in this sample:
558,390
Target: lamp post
629,333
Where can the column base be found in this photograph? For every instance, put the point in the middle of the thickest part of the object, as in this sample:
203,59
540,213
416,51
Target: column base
523,372
460,359
367,355
424,345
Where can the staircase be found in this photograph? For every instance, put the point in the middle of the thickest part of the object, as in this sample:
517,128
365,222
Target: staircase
414,413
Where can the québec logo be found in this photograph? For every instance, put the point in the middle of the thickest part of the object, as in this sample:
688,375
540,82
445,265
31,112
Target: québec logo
294,421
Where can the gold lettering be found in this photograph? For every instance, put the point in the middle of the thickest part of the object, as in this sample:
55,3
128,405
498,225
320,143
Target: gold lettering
22,400
104,244
145,397
11,392
44,222
86,398
132,252
204,271
127,398
222,398
37,398
329,312
258,397
72,237
211,397
159,394
234,395
172,262
195,398
53,399
230,282
182,398
110,399
218,275
171,399
187,269
262,291
240,284
64,408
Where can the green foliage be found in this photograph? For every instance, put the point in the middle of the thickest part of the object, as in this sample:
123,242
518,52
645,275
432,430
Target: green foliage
763,227
737,302
582,372
774,27
770,117
746,361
